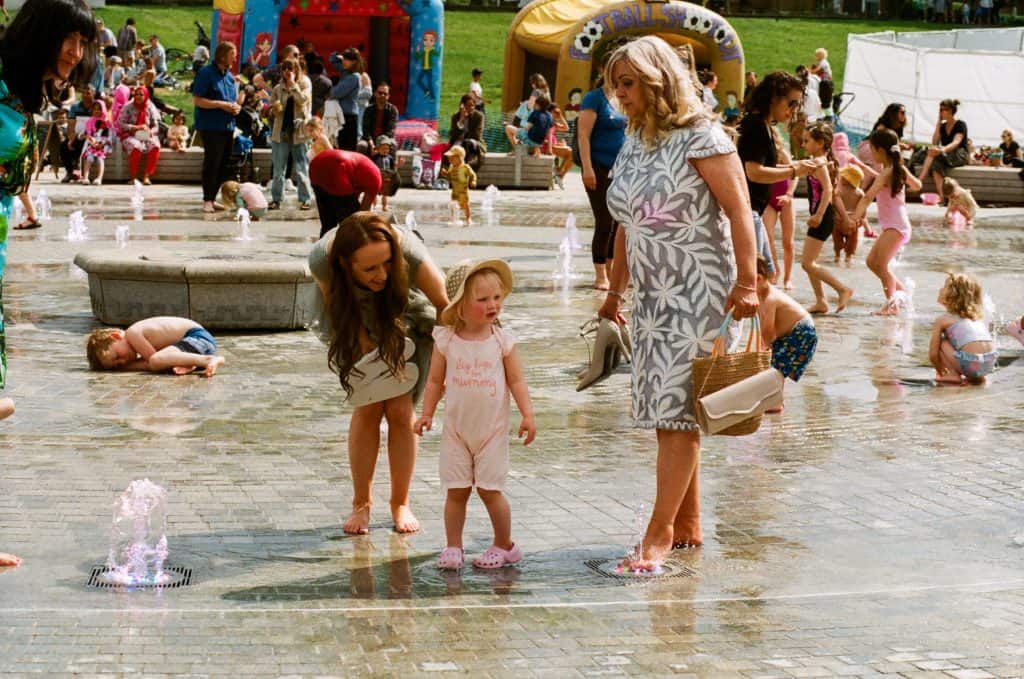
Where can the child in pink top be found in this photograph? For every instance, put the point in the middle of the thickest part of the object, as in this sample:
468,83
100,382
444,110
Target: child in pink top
893,222
475,365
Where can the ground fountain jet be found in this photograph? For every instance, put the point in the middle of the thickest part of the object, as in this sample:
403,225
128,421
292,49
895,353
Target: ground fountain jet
43,205
121,235
569,243
138,200
244,219
76,226
138,536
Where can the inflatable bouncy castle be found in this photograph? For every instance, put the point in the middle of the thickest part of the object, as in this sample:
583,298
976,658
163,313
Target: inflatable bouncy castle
402,41
564,40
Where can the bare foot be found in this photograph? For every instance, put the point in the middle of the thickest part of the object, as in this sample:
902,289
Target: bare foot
6,408
948,379
358,522
656,546
775,411
888,310
788,285
687,532
844,299
9,560
818,308
405,520
184,369
211,367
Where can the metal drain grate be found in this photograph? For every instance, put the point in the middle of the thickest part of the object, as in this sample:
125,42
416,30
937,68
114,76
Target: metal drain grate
181,576
670,569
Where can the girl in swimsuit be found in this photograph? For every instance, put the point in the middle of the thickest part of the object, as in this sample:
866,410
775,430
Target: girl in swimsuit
891,190
962,348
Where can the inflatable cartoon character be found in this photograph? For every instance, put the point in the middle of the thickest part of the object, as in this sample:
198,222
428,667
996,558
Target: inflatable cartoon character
427,54
260,55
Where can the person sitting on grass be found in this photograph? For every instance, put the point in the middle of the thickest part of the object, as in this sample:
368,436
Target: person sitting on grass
155,344
534,133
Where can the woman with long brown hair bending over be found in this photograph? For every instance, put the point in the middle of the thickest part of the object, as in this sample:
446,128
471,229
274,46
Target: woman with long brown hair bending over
380,289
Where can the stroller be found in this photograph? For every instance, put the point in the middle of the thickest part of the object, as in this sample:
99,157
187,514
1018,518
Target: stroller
241,166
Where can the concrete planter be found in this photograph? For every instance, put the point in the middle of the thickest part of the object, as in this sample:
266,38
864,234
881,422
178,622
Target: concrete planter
125,287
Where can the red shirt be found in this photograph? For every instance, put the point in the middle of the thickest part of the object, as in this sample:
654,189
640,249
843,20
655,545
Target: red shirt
344,173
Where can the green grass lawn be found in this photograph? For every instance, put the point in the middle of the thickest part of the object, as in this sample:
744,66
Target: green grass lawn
477,39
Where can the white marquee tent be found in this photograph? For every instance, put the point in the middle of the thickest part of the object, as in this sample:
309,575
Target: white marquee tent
983,68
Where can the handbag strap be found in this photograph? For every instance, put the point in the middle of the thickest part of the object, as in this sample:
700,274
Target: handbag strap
718,348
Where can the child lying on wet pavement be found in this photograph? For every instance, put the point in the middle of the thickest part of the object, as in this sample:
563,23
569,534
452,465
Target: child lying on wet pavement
155,344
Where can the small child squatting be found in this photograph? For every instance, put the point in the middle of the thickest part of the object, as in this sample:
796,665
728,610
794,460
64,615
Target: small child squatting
961,348
155,344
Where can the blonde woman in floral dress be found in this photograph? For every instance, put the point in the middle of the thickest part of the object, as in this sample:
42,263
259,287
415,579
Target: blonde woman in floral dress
679,193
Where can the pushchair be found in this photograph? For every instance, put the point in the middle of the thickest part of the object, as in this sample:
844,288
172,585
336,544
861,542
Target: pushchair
241,166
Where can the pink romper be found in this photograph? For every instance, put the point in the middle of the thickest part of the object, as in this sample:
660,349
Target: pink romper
474,441
892,212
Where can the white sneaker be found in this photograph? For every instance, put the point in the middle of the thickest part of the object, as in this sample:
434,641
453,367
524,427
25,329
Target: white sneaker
558,182
289,186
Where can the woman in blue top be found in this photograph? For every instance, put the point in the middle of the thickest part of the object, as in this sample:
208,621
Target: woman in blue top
350,63
44,51
600,133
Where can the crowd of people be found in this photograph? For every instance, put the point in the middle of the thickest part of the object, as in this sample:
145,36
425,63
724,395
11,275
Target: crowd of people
686,189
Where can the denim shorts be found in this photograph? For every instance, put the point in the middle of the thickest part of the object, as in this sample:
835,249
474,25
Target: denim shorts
523,135
198,340
975,366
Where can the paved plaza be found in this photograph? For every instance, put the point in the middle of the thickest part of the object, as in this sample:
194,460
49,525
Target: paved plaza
874,529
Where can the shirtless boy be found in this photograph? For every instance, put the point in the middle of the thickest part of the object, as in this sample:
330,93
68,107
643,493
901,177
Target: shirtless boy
155,344
785,325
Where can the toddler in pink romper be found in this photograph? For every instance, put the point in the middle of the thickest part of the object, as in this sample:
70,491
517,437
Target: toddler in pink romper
475,366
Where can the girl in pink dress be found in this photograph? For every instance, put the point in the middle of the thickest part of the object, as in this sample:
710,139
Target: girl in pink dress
97,142
475,365
893,222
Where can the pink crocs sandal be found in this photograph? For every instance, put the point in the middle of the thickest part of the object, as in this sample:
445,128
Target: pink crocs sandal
450,559
495,557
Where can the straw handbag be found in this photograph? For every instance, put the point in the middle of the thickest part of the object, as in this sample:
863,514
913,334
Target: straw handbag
720,369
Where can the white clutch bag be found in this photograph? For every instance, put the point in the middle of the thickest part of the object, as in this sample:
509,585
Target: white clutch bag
741,401
142,135
375,382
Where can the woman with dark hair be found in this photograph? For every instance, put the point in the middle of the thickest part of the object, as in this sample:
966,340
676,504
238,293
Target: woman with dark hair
894,118
949,145
600,134
381,290
350,64
217,101
48,48
467,131
138,124
774,100
45,50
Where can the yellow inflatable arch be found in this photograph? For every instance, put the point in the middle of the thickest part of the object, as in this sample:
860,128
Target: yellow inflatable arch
564,39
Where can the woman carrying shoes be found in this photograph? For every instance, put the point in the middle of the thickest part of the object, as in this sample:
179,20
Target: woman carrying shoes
689,264
380,288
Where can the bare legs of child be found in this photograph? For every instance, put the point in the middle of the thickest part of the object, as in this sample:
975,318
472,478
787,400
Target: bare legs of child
183,362
947,368
882,252
675,519
497,509
363,446
788,220
818,274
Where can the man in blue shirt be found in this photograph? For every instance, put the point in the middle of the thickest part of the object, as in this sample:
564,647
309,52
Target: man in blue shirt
217,101
349,63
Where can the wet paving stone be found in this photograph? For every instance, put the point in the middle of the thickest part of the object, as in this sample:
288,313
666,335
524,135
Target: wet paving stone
868,531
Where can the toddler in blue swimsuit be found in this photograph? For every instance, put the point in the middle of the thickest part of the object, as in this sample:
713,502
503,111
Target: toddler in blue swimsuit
961,348
786,325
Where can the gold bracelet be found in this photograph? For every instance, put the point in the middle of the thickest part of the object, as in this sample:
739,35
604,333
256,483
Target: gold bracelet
746,287
616,293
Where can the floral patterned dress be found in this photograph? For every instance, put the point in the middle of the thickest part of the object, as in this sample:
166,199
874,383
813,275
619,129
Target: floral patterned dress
17,141
680,257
